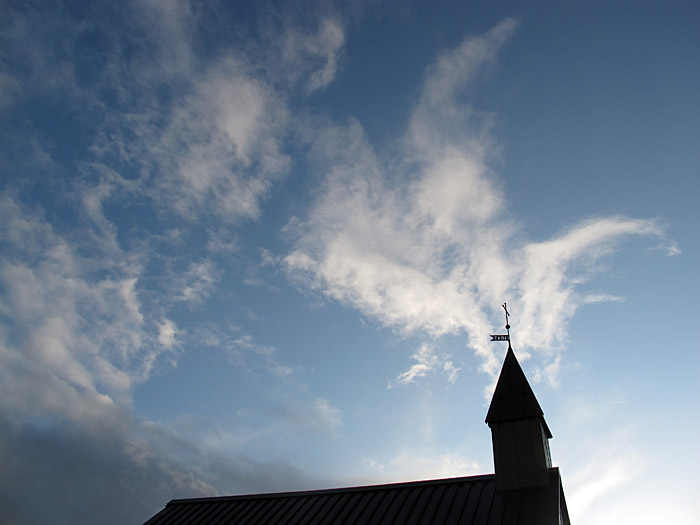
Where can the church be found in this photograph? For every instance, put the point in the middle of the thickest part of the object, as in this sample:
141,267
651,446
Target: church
525,489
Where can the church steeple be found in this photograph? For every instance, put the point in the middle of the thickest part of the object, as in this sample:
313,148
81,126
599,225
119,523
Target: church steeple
518,430
513,399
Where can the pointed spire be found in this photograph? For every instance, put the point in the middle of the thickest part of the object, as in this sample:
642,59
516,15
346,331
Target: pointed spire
513,399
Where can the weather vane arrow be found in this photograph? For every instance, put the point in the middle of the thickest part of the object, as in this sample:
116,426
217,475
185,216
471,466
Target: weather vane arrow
503,337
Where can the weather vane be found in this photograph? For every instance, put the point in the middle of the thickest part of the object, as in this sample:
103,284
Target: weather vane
504,337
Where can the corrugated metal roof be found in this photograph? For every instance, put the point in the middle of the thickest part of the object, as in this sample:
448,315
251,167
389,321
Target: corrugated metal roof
470,500
513,398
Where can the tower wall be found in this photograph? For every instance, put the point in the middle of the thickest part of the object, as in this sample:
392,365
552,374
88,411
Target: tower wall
520,454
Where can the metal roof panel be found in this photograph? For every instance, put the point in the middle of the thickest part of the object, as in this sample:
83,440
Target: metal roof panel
469,500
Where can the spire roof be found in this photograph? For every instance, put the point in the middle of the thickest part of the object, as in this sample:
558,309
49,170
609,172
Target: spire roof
513,398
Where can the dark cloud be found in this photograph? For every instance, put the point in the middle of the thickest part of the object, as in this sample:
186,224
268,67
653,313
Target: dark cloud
60,472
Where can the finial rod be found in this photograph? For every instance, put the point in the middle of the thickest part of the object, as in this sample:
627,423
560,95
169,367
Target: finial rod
505,309
504,337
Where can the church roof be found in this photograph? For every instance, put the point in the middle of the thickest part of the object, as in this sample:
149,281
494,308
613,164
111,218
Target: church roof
470,500
476,500
513,399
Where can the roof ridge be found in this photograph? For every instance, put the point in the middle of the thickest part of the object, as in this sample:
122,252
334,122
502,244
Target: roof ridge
335,490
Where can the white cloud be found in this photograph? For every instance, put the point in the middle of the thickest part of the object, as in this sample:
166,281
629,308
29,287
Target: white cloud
549,372
427,361
672,249
243,349
220,149
167,333
327,415
593,298
428,245
311,56
327,44
547,287
79,316
267,258
441,118
197,283
197,134
245,345
450,370
179,135
598,479
74,340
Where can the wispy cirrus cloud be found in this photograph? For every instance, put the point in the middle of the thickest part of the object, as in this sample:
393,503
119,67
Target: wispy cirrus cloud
75,341
79,317
214,144
600,477
197,282
220,149
309,416
243,350
425,245
427,361
93,229
312,56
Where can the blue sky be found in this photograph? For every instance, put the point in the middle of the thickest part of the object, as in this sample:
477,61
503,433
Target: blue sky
249,247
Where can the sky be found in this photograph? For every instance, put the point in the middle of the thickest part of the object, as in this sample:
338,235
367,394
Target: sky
257,246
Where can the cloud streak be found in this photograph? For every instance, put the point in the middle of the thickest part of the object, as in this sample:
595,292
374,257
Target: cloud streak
105,237
95,262
220,149
81,320
427,361
302,51
425,244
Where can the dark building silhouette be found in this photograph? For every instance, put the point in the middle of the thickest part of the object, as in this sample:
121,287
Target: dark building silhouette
518,430
525,489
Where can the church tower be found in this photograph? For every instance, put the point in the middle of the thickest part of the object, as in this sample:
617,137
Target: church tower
519,432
